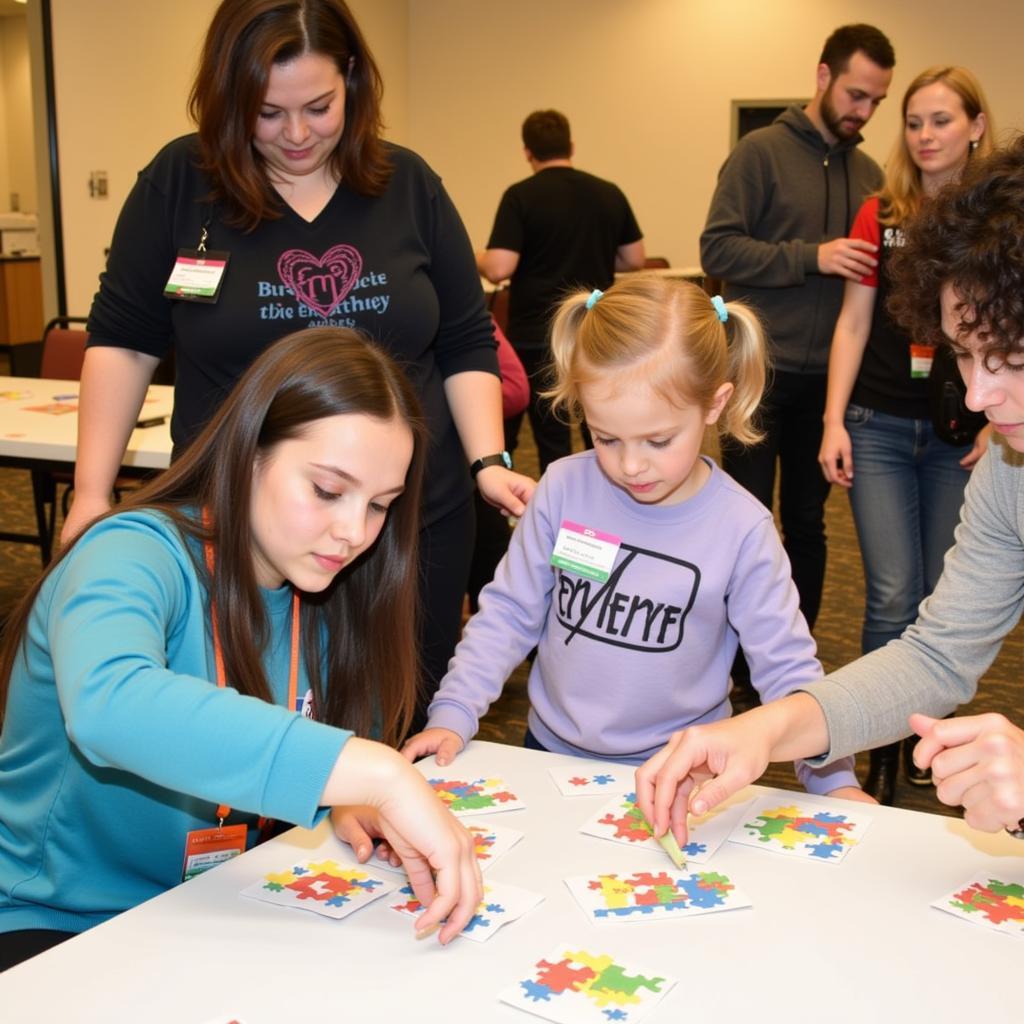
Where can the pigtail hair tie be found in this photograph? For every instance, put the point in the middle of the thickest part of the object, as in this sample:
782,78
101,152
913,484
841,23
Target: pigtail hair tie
719,303
593,297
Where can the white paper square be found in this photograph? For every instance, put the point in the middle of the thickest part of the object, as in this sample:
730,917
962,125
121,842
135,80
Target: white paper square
572,985
323,886
468,793
991,902
620,821
593,778
667,894
489,843
501,905
799,826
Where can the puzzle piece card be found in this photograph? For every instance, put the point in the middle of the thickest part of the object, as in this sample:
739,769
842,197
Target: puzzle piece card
574,986
501,905
620,821
800,827
325,887
469,794
652,896
992,903
593,778
489,843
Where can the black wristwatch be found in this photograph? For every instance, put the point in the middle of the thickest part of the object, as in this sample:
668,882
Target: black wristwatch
1018,832
500,459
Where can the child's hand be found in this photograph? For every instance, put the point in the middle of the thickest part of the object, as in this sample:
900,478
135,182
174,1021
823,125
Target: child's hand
443,742
359,827
852,793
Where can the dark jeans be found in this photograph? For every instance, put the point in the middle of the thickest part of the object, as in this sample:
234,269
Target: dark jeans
791,418
18,946
531,742
552,436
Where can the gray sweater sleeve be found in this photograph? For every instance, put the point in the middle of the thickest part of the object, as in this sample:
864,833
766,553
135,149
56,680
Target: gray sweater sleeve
936,664
729,248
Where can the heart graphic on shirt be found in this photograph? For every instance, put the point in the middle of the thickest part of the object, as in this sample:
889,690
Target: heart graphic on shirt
321,283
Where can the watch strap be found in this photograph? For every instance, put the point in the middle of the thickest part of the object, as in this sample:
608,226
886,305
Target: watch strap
498,459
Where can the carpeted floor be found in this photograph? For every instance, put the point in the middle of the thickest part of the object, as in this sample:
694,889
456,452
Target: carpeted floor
838,631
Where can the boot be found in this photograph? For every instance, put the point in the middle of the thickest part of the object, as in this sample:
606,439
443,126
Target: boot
882,770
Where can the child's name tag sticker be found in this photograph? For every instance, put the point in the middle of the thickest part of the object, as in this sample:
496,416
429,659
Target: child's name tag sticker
921,357
196,276
585,551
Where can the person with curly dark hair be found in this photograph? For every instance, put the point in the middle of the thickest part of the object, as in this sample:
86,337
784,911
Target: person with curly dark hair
959,277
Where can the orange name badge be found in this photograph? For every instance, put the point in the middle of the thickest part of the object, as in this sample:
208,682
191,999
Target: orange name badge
205,848
921,357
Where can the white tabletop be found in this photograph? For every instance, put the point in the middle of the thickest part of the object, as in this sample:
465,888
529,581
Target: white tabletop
853,941
32,426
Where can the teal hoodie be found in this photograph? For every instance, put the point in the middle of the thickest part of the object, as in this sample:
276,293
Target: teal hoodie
116,743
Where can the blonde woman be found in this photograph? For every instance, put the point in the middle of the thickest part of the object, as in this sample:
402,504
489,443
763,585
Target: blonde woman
906,483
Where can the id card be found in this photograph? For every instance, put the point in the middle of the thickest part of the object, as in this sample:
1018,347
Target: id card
196,276
921,357
205,848
585,551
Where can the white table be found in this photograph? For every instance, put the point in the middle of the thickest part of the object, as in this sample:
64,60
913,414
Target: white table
854,941
37,440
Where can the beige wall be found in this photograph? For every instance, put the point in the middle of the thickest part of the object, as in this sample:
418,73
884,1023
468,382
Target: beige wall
17,167
647,85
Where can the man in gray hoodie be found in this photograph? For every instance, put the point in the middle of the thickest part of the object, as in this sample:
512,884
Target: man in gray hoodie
776,234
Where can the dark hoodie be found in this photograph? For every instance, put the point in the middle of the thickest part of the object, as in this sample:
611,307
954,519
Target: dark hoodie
782,192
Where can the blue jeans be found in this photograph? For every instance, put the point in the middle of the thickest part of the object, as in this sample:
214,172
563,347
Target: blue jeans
907,491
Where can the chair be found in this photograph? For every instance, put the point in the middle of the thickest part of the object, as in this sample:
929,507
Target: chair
62,359
656,262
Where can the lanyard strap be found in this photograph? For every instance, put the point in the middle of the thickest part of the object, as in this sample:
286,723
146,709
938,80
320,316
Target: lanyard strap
218,653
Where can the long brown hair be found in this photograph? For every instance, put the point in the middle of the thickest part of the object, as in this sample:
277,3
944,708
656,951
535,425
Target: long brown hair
367,616
245,39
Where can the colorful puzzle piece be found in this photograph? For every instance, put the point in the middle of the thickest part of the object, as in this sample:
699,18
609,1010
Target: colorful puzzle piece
474,796
805,830
622,821
326,887
647,895
576,985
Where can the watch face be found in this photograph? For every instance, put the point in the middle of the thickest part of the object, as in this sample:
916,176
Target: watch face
506,459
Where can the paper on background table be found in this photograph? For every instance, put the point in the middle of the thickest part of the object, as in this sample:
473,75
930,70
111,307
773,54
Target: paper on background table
800,827
614,898
620,821
995,903
468,793
325,887
574,985
502,904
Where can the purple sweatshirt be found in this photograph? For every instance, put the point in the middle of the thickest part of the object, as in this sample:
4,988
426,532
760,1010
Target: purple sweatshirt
623,664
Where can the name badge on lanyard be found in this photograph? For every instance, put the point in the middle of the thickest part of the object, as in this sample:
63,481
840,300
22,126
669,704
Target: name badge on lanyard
921,357
197,273
585,551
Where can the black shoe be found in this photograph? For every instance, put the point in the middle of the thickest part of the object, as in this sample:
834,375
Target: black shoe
881,780
915,776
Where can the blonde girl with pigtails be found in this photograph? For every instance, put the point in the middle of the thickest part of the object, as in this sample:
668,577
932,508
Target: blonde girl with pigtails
639,567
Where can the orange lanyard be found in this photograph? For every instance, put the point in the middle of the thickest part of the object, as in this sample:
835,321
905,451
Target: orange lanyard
218,654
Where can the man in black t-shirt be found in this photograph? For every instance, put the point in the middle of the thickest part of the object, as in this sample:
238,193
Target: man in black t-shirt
558,230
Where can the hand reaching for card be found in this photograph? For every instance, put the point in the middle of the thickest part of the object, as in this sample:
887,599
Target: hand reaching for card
443,742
